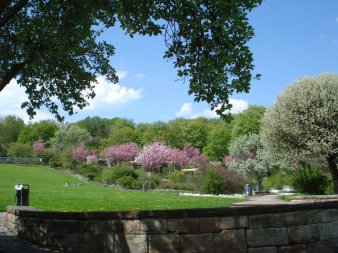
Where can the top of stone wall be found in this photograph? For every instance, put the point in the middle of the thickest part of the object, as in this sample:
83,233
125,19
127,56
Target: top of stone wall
181,213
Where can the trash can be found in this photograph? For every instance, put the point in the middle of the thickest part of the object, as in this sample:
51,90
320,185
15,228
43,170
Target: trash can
144,187
22,195
248,189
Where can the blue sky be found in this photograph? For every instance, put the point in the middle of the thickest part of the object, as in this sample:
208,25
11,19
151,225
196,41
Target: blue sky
294,38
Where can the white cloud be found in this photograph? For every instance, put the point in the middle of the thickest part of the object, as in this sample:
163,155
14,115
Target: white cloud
121,74
113,94
11,98
186,109
238,105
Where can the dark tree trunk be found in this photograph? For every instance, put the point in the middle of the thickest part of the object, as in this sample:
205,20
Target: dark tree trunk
334,173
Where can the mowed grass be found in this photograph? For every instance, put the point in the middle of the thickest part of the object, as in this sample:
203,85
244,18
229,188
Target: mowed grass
48,192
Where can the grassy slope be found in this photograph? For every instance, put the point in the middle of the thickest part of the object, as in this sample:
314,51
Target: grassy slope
48,192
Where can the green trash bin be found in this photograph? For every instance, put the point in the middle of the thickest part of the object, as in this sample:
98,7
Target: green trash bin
22,195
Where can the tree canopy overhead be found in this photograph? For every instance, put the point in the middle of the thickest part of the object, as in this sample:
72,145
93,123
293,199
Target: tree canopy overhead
53,49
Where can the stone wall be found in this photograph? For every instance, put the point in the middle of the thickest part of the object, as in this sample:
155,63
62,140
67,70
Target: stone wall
308,228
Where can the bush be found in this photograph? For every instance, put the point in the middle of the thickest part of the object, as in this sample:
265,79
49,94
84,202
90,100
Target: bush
110,175
129,182
213,183
154,181
90,171
312,180
185,186
177,177
277,181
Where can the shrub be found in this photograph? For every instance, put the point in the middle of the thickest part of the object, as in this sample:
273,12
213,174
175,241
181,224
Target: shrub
213,183
277,181
111,175
129,182
154,181
312,180
177,177
90,171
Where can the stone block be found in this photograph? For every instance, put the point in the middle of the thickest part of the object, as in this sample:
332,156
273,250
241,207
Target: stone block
230,241
201,243
157,226
297,248
261,237
263,250
130,243
189,225
80,250
209,224
290,219
323,215
328,231
329,246
99,226
261,221
303,234
65,226
103,242
28,233
70,240
232,222
169,243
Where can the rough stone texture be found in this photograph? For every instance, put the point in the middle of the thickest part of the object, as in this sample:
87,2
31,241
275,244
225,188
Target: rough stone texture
290,219
261,221
230,241
209,225
263,250
310,228
154,226
190,225
298,248
202,243
131,243
104,242
318,216
260,237
72,240
303,234
231,222
164,243
328,230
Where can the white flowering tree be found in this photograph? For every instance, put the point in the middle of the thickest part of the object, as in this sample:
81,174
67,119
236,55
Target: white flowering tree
302,127
247,156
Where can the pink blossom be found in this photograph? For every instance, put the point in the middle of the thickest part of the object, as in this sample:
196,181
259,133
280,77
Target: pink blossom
191,152
80,153
154,156
39,147
200,161
92,158
121,153
229,160
177,157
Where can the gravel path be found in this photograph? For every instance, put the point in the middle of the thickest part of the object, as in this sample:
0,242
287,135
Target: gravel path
270,199
10,244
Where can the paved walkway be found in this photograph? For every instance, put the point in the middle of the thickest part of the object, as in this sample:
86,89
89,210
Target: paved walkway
270,199
10,244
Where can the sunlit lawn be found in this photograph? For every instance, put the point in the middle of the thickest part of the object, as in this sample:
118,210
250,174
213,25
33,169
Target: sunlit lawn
48,192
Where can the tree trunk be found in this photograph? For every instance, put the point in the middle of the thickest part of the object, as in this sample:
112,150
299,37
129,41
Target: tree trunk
334,173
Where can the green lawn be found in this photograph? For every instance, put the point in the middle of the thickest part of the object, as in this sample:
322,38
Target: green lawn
48,192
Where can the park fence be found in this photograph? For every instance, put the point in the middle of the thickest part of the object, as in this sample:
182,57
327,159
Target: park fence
21,160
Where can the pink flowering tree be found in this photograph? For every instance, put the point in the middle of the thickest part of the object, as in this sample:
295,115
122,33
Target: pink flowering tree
39,147
121,153
191,152
229,160
80,153
200,161
92,158
154,156
177,157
